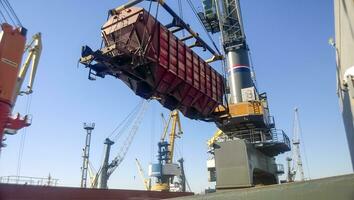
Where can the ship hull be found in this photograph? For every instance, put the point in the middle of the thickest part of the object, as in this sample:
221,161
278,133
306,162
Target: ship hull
28,192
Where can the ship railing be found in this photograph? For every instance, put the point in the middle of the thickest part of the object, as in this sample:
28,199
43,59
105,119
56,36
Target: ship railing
26,180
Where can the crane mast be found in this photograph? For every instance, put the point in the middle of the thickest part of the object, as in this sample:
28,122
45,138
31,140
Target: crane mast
296,146
247,127
235,48
103,178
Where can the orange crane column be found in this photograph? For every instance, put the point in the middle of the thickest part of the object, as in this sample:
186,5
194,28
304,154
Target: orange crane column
12,45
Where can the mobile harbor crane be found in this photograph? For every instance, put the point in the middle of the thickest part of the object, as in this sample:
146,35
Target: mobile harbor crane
12,74
157,63
245,156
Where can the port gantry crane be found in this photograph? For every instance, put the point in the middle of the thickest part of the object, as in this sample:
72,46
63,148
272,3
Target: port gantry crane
165,170
163,66
12,73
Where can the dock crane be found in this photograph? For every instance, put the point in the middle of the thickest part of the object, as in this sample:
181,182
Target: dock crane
295,165
175,132
247,127
165,170
100,179
12,75
146,181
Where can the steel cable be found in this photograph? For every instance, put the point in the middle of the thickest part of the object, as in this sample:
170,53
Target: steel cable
154,30
3,17
13,12
180,10
199,20
7,12
124,123
23,138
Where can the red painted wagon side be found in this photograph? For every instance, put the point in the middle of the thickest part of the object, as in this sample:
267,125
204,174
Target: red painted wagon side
153,62
29,192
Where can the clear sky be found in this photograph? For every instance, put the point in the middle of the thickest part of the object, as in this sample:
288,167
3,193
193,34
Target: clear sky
292,58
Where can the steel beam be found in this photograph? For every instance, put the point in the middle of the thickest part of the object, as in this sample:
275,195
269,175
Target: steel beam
177,22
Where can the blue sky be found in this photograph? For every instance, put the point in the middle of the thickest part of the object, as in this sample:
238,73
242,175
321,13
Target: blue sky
293,62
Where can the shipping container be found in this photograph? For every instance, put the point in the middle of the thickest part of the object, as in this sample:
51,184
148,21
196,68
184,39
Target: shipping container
154,63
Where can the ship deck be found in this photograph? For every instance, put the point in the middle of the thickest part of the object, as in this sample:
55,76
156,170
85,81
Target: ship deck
332,188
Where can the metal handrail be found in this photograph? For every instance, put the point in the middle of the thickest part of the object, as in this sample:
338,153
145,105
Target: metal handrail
280,136
26,180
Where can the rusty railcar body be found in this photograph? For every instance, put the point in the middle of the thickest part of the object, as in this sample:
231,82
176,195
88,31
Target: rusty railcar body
154,63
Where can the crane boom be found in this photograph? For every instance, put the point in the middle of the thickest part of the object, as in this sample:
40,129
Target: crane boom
146,181
93,175
176,131
124,149
215,137
107,169
34,49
